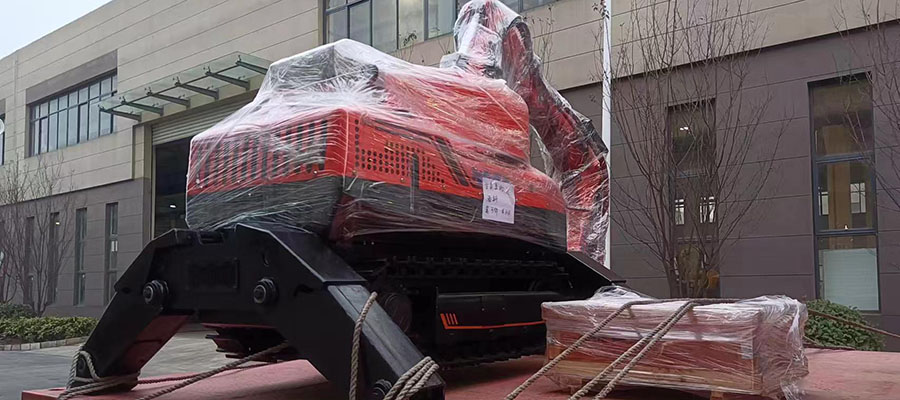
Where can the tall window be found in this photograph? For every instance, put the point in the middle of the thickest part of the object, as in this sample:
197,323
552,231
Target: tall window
2,139
72,117
691,128
679,211
707,209
80,240
28,289
391,24
53,256
112,248
846,237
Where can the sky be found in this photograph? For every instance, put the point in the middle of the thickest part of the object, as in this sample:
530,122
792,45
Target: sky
24,21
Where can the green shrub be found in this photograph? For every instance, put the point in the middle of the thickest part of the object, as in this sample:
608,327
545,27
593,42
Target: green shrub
42,329
10,310
834,333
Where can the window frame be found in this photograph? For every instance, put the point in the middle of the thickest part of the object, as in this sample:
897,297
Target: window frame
40,113
865,156
427,31
350,3
679,211
111,247
79,276
3,140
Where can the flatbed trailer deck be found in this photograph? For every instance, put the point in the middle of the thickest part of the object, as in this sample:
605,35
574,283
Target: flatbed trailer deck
833,375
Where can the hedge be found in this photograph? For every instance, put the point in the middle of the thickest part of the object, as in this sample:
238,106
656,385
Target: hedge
833,333
10,310
42,329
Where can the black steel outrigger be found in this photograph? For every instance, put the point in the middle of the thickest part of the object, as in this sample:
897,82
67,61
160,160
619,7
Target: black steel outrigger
282,285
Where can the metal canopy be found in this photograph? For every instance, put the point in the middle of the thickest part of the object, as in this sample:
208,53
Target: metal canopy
236,69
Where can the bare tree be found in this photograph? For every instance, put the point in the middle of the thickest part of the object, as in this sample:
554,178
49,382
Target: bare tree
874,56
36,232
692,111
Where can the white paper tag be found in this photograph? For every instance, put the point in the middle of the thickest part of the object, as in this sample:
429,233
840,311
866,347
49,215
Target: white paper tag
499,201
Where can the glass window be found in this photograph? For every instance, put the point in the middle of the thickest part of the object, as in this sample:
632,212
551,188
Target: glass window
526,4
679,211
94,90
2,139
73,126
82,123
94,119
28,288
823,202
105,121
112,247
515,5
845,196
412,22
72,117
707,209
441,15
361,22
80,241
35,136
45,134
391,24
691,127
53,255
848,271
52,133
847,241
842,117
384,25
337,25
63,128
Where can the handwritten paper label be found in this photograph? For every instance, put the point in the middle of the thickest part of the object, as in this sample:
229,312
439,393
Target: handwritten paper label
499,201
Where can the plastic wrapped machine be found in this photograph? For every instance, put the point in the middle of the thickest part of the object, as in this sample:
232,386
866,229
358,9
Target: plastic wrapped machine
752,346
346,141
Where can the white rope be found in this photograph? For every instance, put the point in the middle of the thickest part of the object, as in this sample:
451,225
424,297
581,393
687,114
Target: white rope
97,383
644,345
94,383
354,349
410,383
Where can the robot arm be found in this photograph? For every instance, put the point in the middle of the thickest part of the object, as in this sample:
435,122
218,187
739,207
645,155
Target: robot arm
494,41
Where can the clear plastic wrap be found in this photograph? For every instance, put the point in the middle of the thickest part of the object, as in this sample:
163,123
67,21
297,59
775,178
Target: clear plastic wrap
344,140
752,346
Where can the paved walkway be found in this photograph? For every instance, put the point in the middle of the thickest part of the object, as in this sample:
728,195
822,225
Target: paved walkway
20,370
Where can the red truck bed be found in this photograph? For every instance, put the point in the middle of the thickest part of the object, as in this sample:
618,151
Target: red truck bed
833,375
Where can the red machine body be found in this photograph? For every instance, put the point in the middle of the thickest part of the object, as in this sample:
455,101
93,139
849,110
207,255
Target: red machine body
393,150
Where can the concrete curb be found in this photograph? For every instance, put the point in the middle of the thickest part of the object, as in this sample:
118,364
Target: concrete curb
42,345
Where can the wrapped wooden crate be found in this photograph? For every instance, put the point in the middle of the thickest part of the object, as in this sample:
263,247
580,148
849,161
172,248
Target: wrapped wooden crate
752,346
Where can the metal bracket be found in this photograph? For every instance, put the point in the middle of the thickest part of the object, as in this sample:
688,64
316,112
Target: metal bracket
122,114
196,89
254,68
157,110
171,99
234,81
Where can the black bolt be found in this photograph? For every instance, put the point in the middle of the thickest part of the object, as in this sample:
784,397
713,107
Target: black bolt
155,292
380,389
265,292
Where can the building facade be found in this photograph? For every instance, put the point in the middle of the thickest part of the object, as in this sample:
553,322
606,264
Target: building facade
115,96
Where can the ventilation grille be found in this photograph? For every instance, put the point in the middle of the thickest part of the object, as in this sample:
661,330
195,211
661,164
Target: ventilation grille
395,160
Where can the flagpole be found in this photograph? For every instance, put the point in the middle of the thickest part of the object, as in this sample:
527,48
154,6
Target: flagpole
606,102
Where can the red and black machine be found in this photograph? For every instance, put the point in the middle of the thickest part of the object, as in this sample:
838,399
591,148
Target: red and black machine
353,172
